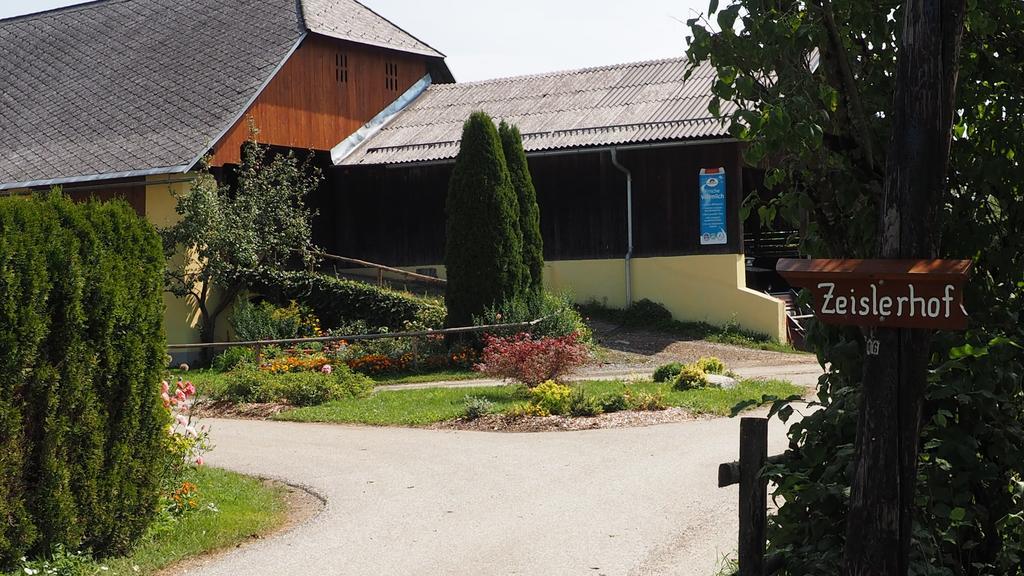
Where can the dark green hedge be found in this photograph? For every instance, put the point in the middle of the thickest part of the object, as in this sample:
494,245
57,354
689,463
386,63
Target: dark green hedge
337,301
81,354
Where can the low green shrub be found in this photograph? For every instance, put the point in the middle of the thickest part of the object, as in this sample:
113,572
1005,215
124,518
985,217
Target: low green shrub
645,401
233,358
336,301
551,396
711,365
477,407
613,402
295,388
582,404
265,321
647,312
689,378
559,314
666,372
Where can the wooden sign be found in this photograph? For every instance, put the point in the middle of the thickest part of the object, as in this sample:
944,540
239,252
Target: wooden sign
924,294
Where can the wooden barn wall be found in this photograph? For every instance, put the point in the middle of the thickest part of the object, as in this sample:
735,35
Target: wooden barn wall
666,198
307,107
396,215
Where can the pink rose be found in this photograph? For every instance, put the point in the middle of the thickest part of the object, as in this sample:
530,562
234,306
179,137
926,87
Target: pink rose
190,431
165,398
164,387
180,395
182,420
326,369
199,461
190,390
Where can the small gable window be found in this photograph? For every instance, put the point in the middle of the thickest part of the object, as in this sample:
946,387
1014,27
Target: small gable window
391,76
341,67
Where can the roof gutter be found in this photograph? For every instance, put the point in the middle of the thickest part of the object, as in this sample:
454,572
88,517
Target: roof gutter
97,177
629,225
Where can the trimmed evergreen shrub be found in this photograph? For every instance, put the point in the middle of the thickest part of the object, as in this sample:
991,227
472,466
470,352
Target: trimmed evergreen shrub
81,356
529,211
667,372
339,302
484,246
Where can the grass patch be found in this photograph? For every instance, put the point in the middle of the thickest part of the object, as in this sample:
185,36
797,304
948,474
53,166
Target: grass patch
207,382
404,407
438,376
244,508
638,317
211,382
430,405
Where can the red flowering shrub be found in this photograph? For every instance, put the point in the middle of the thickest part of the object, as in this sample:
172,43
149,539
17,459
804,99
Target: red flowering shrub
531,361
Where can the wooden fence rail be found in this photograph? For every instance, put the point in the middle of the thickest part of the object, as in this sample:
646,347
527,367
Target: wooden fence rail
753,499
381,268
415,335
355,337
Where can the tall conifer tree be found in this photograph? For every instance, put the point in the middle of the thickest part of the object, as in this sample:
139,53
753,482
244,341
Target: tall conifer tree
529,211
484,246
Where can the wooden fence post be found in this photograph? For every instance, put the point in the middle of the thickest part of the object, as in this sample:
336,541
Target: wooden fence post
753,496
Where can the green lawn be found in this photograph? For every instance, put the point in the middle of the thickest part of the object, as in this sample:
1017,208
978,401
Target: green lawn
404,407
209,382
438,376
430,405
244,508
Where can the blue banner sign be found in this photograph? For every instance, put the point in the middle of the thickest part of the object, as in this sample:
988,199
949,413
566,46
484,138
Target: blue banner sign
712,206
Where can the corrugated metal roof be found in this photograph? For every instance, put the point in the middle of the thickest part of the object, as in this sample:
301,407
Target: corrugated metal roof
611,105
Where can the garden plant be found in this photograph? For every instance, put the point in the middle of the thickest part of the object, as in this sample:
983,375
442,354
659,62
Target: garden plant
811,88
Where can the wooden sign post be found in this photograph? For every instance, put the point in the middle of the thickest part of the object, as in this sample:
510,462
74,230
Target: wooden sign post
924,294
897,302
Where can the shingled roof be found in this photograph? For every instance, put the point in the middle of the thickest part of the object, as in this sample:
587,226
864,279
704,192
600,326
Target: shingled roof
611,105
123,88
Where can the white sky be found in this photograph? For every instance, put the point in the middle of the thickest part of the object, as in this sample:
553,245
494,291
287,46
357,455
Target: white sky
492,38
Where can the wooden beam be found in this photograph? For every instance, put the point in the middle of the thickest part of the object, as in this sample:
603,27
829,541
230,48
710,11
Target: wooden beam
729,472
753,496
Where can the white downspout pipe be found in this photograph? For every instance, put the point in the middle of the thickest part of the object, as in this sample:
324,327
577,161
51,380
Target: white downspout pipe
629,224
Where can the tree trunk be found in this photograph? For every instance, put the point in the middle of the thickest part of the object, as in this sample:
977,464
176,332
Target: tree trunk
882,491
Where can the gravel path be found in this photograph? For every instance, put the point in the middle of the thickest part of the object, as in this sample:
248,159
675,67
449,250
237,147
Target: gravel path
631,501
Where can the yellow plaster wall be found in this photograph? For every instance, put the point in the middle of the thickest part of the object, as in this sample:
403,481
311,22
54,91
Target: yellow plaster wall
707,288
602,281
181,318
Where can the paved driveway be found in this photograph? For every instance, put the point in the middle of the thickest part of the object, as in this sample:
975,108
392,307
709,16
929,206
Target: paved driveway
635,501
